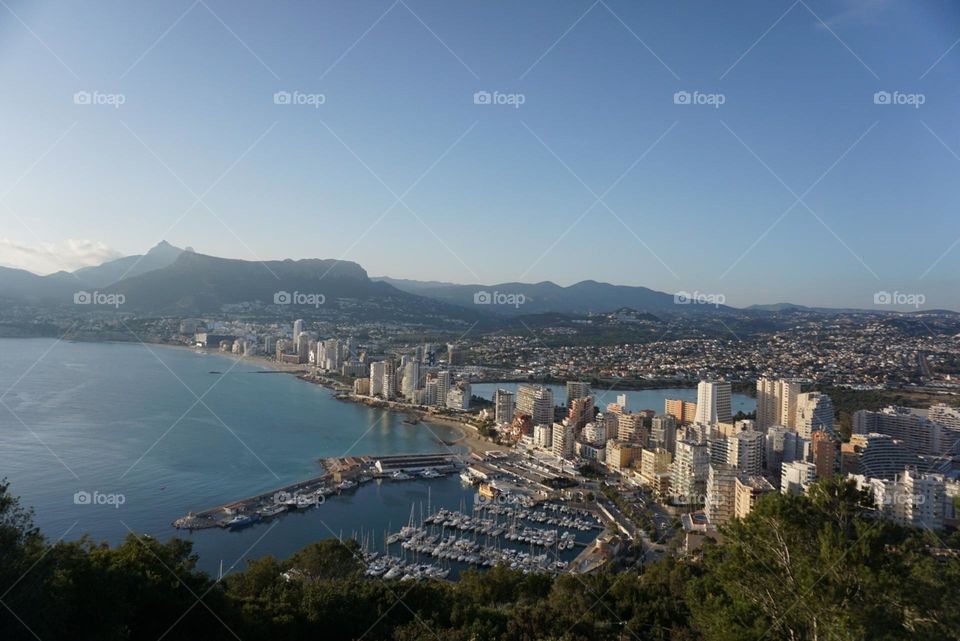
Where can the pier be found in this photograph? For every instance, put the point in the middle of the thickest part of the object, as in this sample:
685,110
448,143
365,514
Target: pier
340,474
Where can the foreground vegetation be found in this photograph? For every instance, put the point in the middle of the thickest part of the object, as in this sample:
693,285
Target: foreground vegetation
799,568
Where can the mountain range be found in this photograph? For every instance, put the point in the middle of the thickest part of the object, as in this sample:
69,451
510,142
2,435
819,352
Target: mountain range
169,279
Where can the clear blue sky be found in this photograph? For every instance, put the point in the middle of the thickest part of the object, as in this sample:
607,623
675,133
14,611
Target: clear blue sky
695,213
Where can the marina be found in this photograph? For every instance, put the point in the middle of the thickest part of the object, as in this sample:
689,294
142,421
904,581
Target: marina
447,541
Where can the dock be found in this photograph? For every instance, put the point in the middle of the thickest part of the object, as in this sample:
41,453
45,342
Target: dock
340,474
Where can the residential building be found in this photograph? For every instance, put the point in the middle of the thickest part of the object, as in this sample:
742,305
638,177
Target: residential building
580,411
663,432
458,397
911,427
784,445
575,390
713,403
721,493
378,372
879,455
683,411
620,455
630,428
689,470
543,435
654,462
745,452
824,446
776,403
562,444
814,412
795,477
536,402
504,406
748,490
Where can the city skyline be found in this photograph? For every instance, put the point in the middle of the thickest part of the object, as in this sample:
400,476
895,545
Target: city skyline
598,163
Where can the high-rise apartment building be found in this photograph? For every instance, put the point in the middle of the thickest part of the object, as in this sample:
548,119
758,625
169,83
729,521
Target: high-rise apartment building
575,390
683,411
536,402
913,428
745,452
378,372
630,428
713,403
749,489
814,412
776,403
297,329
654,462
721,493
562,440
504,406
444,381
824,447
784,445
412,378
663,432
795,477
688,472
580,411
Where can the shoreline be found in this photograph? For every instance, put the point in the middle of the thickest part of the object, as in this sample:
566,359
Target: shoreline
468,436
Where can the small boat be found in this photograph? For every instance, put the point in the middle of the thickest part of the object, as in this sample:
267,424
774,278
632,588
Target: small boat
393,573
272,511
347,485
242,520
304,501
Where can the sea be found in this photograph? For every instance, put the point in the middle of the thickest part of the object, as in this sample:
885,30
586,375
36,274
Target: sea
105,439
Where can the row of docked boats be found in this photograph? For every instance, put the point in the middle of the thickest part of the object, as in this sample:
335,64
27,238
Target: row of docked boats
454,548
286,502
550,514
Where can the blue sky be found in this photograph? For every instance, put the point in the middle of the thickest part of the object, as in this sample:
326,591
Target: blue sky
496,192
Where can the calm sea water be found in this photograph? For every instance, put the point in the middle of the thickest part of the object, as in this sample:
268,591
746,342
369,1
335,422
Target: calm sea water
651,399
125,419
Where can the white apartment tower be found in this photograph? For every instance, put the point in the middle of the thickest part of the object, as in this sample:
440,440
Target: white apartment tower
713,403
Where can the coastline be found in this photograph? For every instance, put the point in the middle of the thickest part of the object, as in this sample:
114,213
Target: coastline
468,436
